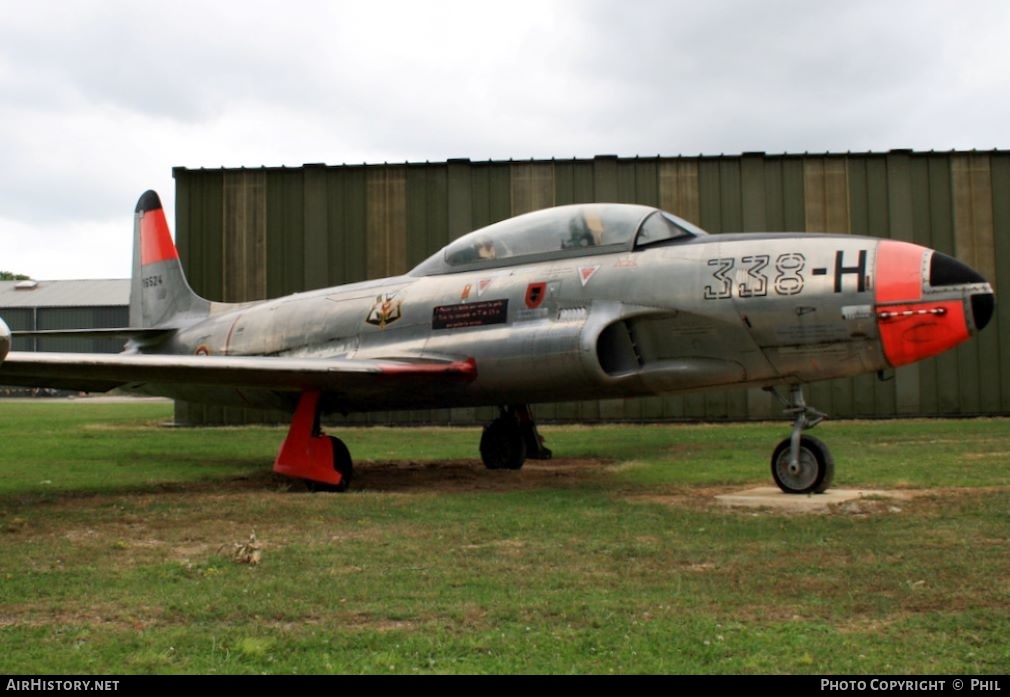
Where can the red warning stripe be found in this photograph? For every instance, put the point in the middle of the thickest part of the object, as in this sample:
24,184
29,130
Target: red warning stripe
155,240
463,370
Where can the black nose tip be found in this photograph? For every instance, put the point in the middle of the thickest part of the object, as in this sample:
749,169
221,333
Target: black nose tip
982,306
948,271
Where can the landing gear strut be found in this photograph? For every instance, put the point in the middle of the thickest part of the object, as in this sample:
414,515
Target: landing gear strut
802,464
511,438
322,461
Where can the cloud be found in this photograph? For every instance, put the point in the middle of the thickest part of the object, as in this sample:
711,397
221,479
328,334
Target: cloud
102,99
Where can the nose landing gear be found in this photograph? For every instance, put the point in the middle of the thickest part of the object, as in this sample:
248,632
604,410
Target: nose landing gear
802,464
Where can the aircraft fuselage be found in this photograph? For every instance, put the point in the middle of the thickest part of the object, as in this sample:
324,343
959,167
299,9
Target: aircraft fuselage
728,310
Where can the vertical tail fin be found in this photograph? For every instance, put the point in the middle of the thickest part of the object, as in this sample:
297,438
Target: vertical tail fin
160,296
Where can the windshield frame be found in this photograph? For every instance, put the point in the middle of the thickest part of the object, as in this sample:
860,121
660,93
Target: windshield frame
684,229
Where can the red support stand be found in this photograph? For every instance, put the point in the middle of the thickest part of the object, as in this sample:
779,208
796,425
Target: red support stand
306,453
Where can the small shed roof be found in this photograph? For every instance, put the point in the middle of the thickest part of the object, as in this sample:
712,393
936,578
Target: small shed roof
82,293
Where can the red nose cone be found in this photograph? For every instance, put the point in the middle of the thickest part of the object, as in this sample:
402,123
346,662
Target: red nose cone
923,301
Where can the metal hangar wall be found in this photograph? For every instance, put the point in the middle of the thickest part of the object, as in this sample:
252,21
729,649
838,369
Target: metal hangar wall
247,234
85,304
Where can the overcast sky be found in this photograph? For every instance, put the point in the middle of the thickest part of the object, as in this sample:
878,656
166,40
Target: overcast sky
99,100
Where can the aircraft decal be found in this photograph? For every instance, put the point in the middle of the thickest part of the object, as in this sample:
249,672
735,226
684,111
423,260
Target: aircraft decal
202,350
852,312
482,285
586,272
841,270
385,310
789,276
756,285
757,274
750,277
625,263
535,294
478,314
720,273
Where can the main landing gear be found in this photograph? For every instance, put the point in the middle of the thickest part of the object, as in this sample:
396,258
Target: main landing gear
322,461
511,438
802,464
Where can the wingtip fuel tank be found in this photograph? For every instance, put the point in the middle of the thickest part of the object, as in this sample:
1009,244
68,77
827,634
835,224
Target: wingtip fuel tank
5,340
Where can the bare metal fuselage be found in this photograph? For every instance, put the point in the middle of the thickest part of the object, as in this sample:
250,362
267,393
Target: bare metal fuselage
716,311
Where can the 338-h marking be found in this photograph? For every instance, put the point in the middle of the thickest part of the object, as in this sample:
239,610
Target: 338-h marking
786,276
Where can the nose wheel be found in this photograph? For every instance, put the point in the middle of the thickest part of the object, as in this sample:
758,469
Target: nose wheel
802,464
810,472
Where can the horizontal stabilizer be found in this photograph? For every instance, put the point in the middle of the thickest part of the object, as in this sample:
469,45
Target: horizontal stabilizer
104,333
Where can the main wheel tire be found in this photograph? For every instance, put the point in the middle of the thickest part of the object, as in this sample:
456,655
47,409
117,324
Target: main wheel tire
341,463
502,445
816,467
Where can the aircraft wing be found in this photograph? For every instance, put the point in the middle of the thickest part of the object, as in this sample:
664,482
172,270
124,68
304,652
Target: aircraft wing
102,372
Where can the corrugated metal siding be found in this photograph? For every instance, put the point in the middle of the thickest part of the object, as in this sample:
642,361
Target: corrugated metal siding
998,346
243,233
20,319
290,229
41,318
81,318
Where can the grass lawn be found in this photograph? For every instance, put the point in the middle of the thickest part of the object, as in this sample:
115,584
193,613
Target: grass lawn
121,552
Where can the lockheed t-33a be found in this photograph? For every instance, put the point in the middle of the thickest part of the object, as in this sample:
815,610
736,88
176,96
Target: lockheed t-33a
587,301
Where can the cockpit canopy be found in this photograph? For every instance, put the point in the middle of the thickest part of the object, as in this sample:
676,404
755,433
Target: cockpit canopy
576,230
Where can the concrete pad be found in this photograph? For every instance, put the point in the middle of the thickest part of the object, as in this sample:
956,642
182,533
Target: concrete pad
773,497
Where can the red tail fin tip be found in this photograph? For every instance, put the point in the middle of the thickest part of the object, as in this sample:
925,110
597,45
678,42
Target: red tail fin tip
155,240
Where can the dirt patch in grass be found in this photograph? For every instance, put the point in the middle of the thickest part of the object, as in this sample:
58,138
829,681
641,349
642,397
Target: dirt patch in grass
191,522
40,614
405,476
921,500
470,475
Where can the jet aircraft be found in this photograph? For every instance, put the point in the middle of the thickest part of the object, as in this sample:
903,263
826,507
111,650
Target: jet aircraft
576,302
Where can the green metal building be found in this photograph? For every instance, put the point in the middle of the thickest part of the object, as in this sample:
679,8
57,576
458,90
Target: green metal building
48,305
84,304
248,234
